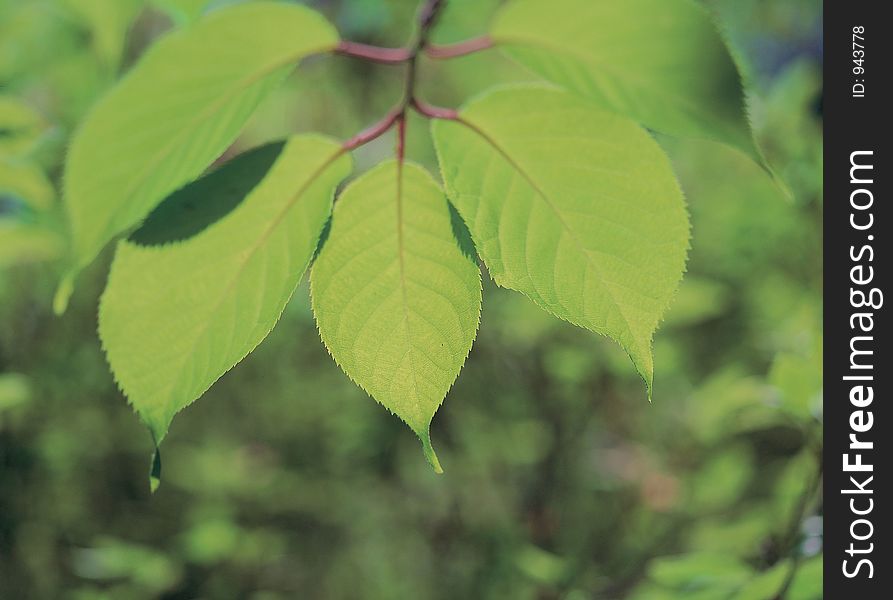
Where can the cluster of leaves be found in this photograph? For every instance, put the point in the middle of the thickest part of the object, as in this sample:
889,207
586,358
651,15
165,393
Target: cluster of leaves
566,198
561,483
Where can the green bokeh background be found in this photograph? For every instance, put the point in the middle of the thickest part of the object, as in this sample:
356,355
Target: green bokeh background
562,481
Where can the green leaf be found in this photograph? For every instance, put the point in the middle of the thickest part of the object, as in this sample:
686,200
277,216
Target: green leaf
177,110
661,62
187,211
574,206
396,300
175,317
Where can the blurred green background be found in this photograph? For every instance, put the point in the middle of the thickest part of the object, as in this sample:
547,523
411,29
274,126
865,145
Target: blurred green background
286,481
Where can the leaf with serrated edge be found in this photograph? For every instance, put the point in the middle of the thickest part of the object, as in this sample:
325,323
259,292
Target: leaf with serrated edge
574,206
175,317
177,110
661,62
396,300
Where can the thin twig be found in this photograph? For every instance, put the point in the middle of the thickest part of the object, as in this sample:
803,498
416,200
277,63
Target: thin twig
385,56
427,18
459,49
434,112
374,131
408,55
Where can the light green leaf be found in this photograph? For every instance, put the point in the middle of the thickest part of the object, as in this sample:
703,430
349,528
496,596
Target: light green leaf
175,316
177,110
661,62
396,300
574,206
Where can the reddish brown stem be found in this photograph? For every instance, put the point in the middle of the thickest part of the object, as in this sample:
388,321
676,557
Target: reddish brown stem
385,56
374,131
427,17
434,112
460,49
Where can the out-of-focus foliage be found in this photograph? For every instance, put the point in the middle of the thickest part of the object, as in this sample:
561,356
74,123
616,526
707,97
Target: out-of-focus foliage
561,480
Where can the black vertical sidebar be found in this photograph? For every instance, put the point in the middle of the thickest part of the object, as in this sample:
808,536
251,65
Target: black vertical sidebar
857,370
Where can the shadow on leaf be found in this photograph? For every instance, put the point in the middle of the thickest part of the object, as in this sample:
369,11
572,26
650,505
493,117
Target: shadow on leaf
198,205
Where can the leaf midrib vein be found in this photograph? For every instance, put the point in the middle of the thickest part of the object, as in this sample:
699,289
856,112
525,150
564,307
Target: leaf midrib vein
690,108
246,258
240,86
400,251
517,167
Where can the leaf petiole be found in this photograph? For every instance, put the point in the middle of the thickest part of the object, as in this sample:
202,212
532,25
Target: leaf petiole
376,54
397,115
374,131
458,49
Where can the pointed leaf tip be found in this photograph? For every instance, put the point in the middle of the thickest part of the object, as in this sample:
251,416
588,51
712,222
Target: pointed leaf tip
396,300
161,320
155,471
63,294
430,455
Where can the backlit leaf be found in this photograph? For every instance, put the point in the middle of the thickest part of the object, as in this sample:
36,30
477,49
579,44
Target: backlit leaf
177,110
572,205
396,300
175,316
661,62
